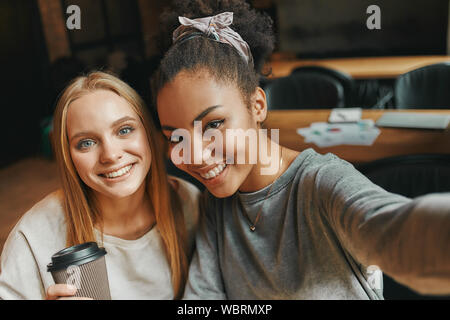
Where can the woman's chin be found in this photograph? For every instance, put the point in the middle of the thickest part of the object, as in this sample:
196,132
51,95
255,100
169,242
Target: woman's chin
225,185
220,193
118,192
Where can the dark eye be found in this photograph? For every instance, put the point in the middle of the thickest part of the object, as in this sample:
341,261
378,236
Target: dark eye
125,130
85,144
214,124
175,139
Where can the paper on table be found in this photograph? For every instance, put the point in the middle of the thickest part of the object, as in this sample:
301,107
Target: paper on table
344,115
324,134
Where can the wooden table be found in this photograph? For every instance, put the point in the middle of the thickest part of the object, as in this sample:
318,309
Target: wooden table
359,68
390,142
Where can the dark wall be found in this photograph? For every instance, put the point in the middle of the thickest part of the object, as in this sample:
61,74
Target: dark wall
32,84
23,61
106,26
327,28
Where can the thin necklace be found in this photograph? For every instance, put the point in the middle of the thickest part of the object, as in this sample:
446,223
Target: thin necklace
253,224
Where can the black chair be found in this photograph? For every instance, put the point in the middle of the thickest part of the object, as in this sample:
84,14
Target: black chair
346,80
410,176
426,87
310,87
304,92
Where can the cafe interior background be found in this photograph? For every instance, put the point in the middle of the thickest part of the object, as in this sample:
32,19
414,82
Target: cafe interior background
359,62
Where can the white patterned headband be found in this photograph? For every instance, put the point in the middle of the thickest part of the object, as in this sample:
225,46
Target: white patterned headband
215,27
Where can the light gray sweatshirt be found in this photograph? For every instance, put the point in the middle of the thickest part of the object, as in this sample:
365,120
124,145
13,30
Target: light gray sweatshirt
324,230
137,269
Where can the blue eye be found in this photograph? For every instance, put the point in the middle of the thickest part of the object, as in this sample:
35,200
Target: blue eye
214,124
85,144
125,130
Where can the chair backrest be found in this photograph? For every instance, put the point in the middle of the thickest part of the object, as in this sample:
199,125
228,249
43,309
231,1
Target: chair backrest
425,87
304,91
346,80
410,175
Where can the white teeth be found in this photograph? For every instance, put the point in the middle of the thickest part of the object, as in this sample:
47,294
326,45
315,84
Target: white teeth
214,172
119,172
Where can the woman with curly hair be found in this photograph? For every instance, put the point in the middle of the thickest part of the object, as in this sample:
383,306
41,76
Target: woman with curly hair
314,228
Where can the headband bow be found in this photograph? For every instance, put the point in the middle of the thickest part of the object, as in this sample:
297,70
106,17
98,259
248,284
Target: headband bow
216,27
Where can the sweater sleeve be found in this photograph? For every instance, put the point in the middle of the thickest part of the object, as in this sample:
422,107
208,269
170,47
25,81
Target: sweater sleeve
205,280
409,239
40,233
19,273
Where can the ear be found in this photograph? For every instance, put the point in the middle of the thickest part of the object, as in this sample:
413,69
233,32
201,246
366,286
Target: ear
259,105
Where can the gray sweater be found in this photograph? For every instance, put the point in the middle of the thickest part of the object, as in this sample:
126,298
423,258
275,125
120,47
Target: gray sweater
323,231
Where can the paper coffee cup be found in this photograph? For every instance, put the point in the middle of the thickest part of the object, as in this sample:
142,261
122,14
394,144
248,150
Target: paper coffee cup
84,267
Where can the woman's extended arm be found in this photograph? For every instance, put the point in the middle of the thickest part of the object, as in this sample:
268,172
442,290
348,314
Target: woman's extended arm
408,239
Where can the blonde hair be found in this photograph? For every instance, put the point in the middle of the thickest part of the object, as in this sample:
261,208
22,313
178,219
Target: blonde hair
80,208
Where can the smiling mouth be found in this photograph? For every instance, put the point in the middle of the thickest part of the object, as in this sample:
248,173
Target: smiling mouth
117,173
214,172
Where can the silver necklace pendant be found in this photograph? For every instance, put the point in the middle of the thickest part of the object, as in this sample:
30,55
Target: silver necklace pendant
252,228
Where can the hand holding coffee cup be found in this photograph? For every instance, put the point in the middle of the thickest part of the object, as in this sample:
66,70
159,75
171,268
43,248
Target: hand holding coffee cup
81,267
63,292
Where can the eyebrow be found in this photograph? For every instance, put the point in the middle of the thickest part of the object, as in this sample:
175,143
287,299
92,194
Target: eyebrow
114,124
198,118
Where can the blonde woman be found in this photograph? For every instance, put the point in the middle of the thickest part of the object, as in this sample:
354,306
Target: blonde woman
115,191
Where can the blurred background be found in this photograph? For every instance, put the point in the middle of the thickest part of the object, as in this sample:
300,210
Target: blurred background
39,55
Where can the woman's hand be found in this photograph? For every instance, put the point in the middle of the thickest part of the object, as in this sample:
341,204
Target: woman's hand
63,292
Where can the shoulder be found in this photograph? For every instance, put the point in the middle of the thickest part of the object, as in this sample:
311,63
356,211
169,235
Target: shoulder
313,159
45,220
48,211
185,190
188,193
327,176
313,174
189,196
316,166
39,233
41,230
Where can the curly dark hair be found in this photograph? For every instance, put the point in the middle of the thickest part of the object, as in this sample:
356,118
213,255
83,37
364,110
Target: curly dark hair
221,60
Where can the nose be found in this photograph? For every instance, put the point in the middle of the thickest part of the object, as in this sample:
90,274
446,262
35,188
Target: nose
195,151
213,154
111,151
207,150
